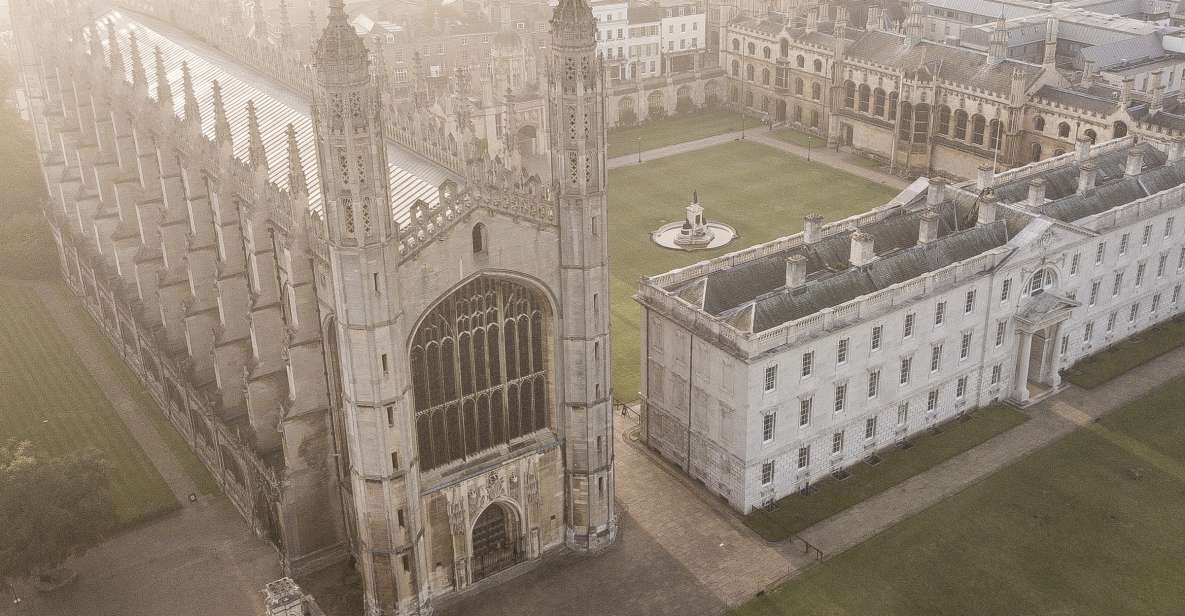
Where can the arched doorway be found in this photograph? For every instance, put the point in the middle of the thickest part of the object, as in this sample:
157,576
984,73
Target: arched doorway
525,140
497,543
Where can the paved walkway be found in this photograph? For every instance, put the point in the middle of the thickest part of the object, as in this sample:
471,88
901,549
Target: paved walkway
202,560
1050,420
678,553
831,158
98,361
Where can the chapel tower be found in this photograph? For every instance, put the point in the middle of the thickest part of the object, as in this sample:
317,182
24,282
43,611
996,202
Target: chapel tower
576,106
375,435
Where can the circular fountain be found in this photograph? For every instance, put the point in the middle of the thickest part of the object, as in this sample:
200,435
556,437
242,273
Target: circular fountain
694,232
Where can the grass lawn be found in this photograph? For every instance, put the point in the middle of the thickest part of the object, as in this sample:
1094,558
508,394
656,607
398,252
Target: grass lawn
674,129
762,192
1123,356
1090,525
796,512
48,397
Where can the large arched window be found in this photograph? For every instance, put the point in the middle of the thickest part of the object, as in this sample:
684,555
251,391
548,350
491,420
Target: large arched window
818,66
1038,123
978,124
1035,152
994,133
749,72
798,86
849,95
736,44
921,123
878,102
961,125
481,370
1090,134
800,61
1119,129
752,49
736,68
1063,130
943,120
765,52
816,91
765,76
784,49
864,96
906,124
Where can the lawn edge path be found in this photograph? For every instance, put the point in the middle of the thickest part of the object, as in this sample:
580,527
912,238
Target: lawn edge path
123,400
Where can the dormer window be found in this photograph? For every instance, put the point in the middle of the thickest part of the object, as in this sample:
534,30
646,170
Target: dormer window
1041,281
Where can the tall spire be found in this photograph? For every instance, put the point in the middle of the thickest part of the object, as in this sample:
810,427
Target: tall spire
297,182
193,113
164,92
914,23
139,76
1050,59
255,138
222,133
998,40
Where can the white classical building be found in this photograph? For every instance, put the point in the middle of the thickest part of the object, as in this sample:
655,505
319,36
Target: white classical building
775,366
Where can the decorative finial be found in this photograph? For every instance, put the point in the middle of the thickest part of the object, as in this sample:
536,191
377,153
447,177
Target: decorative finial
193,113
695,196
164,92
255,138
139,77
222,132
116,56
297,183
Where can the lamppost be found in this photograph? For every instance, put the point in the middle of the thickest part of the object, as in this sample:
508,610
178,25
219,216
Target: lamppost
808,147
638,140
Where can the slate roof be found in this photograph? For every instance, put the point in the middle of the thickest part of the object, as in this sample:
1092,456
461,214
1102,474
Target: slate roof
1124,51
760,284
1112,187
1077,99
411,177
956,64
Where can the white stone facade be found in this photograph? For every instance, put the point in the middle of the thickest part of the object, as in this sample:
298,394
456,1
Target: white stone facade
824,391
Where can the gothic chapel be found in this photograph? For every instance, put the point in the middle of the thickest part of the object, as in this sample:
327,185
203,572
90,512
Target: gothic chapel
377,357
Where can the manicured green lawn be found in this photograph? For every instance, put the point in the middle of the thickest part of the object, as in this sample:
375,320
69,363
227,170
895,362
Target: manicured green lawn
1090,525
762,192
795,512
799,138
1137,350
674,129
48,397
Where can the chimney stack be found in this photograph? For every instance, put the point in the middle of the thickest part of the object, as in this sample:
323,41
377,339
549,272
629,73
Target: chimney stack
928,227
795,271
1157,89
1085,177
863,250
812,229
1176,148
1036,193
937,192
1081,149
987,208
984,178
1125,93
1135,162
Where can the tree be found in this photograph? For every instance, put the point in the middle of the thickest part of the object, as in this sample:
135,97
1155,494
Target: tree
51,508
